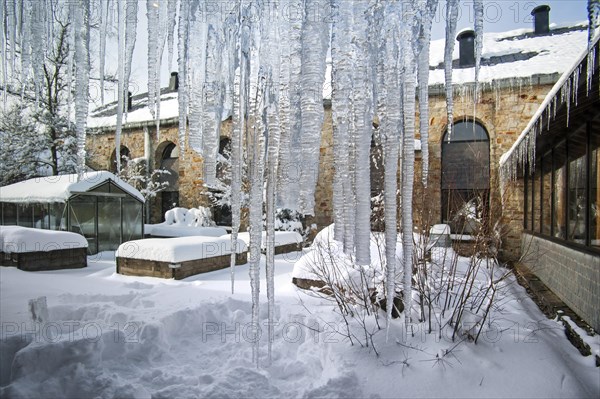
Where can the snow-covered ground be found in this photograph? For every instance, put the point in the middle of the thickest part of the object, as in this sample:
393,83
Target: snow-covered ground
147,337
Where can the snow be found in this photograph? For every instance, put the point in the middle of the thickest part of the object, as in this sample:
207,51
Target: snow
118,336
179,249
330,252
50,189
546,104
554,55
24,239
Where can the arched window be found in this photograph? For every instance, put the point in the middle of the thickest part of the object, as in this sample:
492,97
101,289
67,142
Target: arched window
465,176
125,156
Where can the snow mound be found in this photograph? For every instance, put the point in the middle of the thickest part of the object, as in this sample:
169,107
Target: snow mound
17,239
179,249
327,257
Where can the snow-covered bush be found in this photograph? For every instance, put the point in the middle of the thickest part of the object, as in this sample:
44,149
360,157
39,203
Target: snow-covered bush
194,217
135,172
453,297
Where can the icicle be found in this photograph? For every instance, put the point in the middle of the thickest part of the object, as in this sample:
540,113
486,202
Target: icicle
104,7
172,20
3,43
121,81
182,61
241,67
11,26
315,40
423,76
270,55
257,145
153,38
341,53
391,124
478,13
37,42
198,34
82,76
451,20
362,122
290,115
130,37
25,44
593,9
212,96
408,160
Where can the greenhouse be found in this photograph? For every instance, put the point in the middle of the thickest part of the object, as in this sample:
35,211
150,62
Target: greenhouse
101,207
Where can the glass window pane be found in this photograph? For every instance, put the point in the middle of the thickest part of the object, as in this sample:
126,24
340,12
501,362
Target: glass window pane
595,198
560,202
25,212
58,216
40,216
467,131
528,202
535,202
577,202
9,214
109,223
82,220
132,220
547,194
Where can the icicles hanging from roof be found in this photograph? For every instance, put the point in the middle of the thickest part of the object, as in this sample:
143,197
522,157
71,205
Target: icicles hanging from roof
121,80
451,20
182,62
341,53
171,22
428,12
104,7
391,126
81,27
130,38
315,41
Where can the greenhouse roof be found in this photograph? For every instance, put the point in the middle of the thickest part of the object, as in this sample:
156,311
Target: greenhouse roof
50,189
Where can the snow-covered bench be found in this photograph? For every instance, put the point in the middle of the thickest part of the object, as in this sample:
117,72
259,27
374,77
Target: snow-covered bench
285,241
182,222
178,257
35,249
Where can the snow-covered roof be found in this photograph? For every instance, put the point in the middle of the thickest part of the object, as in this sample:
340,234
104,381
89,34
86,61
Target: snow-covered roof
514,54
106,115
524,147
50,189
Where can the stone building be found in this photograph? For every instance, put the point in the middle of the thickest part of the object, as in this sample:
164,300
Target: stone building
518,69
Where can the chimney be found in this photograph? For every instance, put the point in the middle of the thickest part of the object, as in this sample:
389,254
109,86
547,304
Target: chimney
466,49
541,19
174,82
129,101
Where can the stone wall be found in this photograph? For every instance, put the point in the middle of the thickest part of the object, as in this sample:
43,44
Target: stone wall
571,274
503,112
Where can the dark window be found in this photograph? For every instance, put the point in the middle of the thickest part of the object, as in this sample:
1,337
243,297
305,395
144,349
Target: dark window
465,176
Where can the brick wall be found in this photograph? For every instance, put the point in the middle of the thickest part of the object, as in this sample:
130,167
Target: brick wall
572,275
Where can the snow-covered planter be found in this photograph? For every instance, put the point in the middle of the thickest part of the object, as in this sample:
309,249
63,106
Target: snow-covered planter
177,258
35,249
